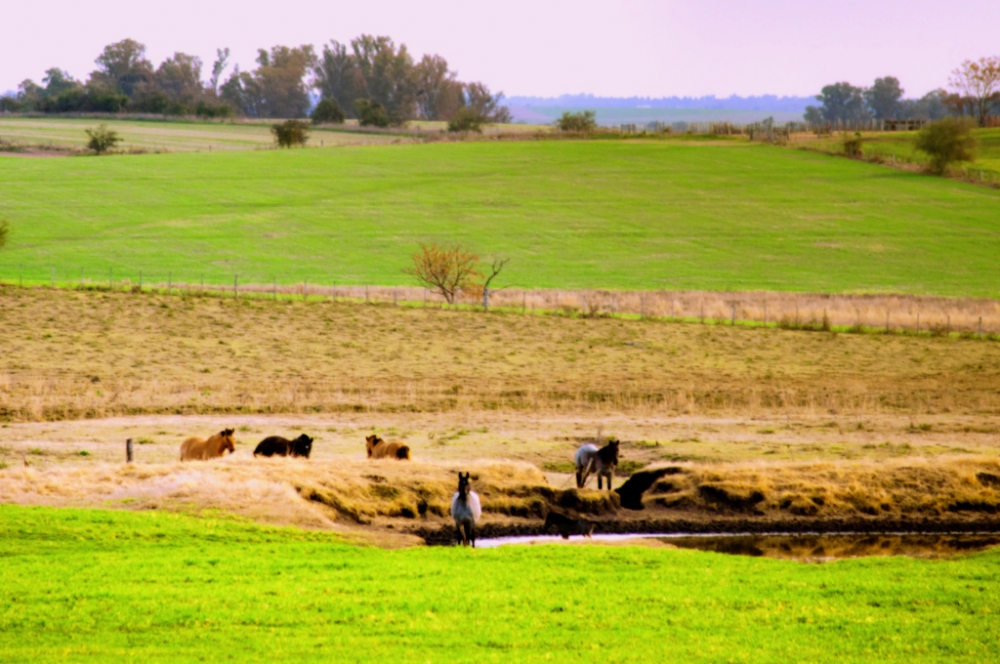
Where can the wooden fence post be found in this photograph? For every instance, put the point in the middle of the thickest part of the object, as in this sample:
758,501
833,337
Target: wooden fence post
128,450
732,321
765,313
275,289
140,279
980,327
236,286
305,290
110,280
170,280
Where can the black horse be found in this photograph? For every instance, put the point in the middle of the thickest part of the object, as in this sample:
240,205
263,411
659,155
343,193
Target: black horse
276,445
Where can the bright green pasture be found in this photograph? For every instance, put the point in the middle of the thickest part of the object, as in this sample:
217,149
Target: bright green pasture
616,214
163,135
900,146
113,586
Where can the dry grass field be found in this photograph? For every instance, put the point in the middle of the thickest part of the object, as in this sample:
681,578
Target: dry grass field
782,422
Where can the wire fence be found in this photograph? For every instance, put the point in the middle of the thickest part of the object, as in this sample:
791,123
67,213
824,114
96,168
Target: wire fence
850,312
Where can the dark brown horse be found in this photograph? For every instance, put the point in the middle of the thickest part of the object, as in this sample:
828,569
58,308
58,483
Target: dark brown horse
568,526
278,446
379,449
216,446
603,461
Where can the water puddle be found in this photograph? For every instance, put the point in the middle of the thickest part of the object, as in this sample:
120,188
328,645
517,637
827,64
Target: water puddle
804,547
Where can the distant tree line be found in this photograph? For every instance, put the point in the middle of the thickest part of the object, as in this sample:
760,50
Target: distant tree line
976,93
370,79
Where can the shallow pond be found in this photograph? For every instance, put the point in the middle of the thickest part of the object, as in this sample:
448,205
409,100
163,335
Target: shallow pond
802,547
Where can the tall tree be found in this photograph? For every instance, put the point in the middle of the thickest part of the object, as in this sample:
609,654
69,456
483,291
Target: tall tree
122,67
337,77
276,88
58,81
842,102
219,66
883,98
179,77
439,93
388,75
979,82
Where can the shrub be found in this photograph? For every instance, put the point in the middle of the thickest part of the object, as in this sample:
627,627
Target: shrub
4,232
371,113
206,110
102,139
947,141
447,270
853,146
466,119
327,111
290,132
583,122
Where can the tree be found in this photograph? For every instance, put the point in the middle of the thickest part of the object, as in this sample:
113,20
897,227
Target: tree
813,115
58,81
496,267
446,270
439,93
290,132
842,102
486,105
179,78
327,111
979,82
465,119
122,67
338,77
883,98
275,89
929,107
947,141
387,73
583,122
371,113
102,139
219,66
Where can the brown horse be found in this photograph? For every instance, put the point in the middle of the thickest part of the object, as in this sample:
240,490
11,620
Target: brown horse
216,446
379,449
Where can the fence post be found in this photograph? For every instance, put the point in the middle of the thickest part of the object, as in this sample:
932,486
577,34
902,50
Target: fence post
948,328
305,290
236,286
52,276
642,306
20,276
980,327
524,301
918,321
394,299
765,313
703,312
170,281
128,450
673,309
486,299
887,321
366,292
732,321
275,289
202,283
110,279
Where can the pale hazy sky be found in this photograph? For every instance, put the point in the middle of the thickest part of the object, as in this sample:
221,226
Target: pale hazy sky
543,47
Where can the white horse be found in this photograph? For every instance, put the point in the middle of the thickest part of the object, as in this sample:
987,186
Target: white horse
466,510
590,459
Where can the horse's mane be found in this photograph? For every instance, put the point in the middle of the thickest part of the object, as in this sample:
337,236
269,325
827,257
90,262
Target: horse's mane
609,452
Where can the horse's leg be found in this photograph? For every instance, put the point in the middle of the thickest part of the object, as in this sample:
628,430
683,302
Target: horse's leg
461,535
472,534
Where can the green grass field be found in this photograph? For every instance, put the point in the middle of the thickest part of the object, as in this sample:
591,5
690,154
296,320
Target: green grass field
900,145
115,586
570,214
164,135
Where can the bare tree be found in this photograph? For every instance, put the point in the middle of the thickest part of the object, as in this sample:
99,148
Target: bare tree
446,270
495,268
979,81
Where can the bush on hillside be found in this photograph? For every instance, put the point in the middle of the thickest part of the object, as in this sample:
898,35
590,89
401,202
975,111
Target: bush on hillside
327,111
582,122
371,113
290,132
102,139
947,141
4,232
466,119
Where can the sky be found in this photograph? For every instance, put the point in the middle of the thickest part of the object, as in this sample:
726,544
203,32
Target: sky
544,48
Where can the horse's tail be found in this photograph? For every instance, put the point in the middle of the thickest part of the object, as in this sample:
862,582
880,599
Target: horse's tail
403,452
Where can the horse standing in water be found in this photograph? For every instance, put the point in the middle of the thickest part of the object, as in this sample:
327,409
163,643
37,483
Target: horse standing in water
466,510
590,459
199,448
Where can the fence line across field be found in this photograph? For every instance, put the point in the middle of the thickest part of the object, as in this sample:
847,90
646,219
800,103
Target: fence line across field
939,315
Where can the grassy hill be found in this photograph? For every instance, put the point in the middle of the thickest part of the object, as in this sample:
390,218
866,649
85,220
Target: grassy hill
569,214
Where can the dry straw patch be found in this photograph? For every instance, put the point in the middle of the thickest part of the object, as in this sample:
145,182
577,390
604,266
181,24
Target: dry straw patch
74,355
